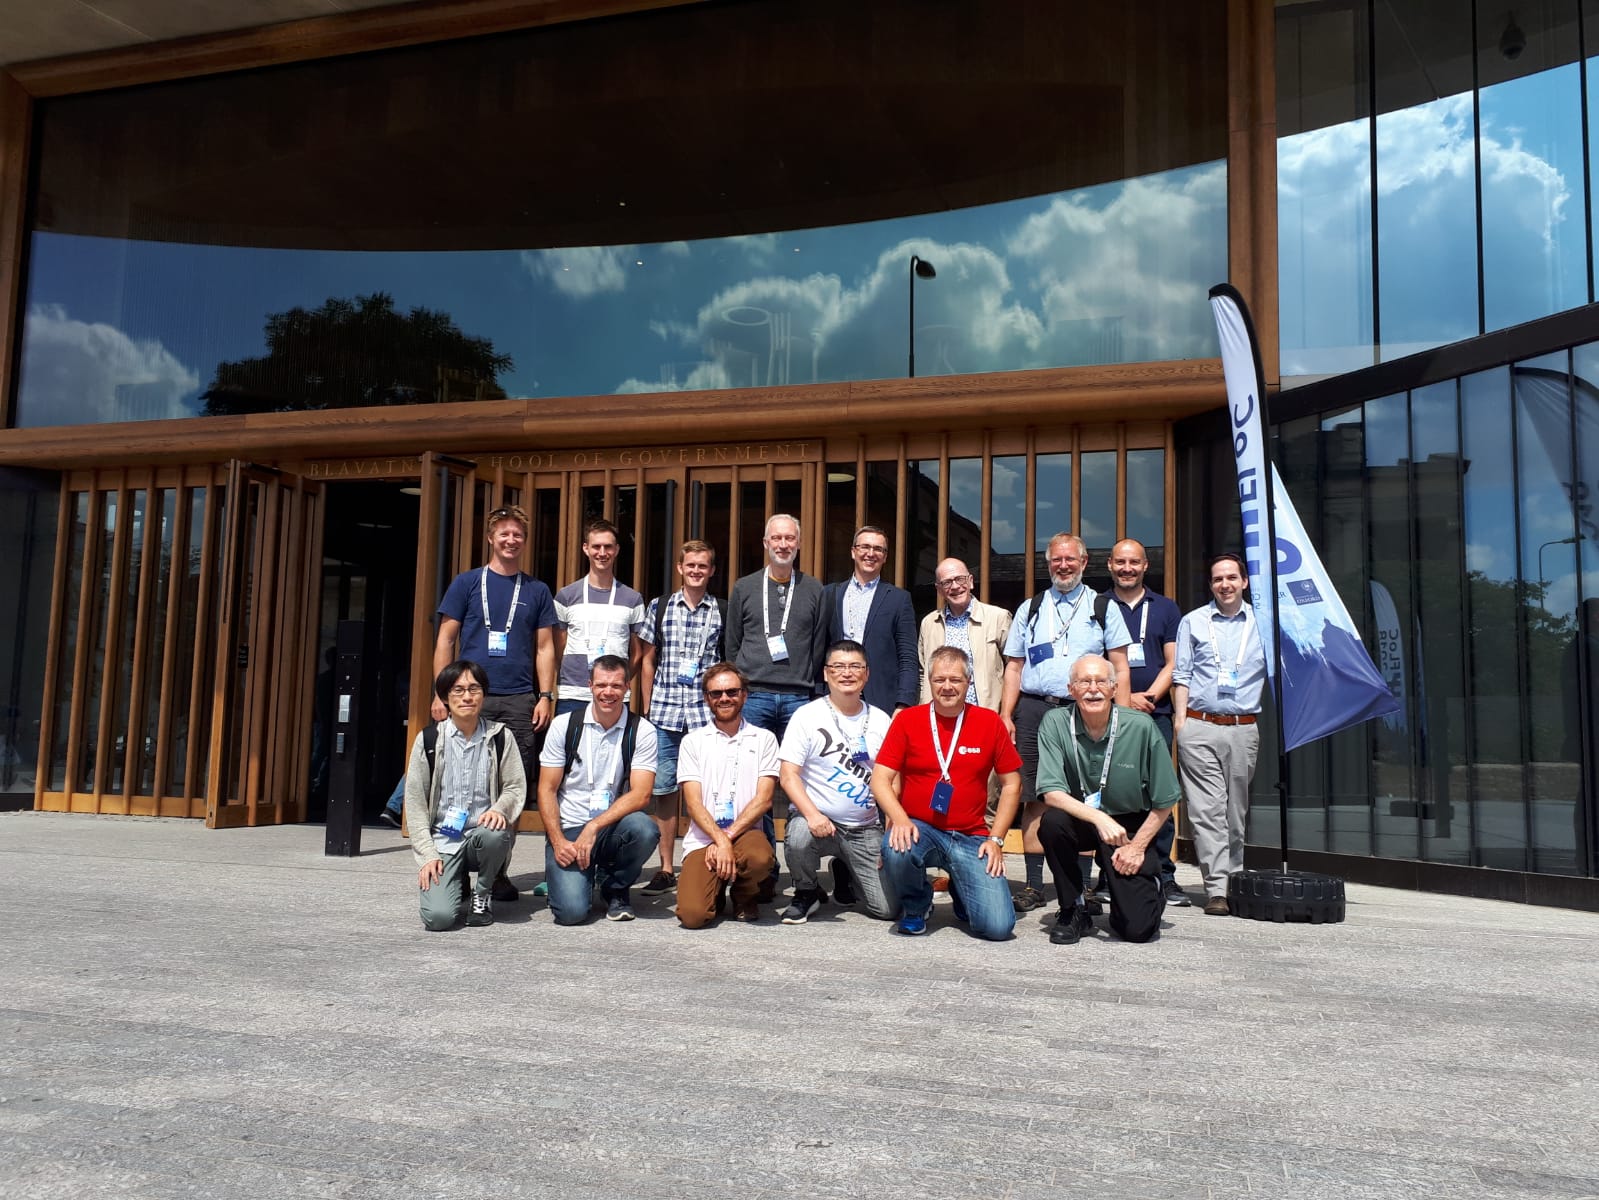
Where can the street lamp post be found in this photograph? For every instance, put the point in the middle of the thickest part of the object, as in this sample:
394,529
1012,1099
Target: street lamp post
919,266
1543,587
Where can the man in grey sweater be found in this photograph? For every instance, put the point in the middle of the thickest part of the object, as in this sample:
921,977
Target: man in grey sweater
777,631
464,791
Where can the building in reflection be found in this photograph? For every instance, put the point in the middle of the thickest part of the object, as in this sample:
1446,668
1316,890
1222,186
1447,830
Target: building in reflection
287,311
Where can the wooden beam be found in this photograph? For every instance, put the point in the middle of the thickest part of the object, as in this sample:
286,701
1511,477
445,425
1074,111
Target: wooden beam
1134,392
52,657
16,137
1252,168
361,31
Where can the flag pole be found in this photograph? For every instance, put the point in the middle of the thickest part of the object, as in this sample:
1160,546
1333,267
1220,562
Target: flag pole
1270,549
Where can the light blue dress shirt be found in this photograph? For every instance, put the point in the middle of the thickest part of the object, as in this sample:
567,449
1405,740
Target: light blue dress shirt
1201,667
1066,625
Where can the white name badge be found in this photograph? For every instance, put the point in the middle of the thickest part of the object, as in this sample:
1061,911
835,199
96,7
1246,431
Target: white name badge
599,802
1227,686
687,671
777,647
497,643
1135,655
1094,801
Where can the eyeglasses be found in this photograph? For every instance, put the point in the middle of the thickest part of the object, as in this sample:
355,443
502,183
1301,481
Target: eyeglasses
470,689
1098,683
880,551
723,693
847,668
954,581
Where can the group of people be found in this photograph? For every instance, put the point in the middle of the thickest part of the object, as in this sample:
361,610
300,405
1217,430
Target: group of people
900,750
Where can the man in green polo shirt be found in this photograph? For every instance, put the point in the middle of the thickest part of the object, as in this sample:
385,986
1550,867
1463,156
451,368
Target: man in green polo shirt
1105,776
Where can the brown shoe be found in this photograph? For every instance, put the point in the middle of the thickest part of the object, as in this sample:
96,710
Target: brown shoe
941,884
1216,906
750,912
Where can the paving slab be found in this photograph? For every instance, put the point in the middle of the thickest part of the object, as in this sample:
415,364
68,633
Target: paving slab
188,1013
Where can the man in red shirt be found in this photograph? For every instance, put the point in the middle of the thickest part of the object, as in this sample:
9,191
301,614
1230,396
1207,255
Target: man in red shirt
931,781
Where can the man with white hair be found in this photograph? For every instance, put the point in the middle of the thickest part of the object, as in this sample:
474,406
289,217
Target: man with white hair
776,630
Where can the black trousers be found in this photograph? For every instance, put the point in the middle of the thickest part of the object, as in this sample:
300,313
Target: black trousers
1136,901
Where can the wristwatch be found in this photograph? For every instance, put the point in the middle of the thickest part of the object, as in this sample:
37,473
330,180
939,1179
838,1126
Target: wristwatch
546,695
998,841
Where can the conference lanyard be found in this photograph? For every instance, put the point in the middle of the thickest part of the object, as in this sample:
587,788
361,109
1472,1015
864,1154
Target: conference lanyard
1077,753
766,616
944,760
860,753
587,599
1243,641
516,594
1065,627
1143,619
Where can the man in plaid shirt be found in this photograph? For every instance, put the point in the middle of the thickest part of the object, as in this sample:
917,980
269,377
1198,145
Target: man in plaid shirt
682,636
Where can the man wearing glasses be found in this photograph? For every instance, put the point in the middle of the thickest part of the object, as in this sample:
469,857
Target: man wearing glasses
976,629
931,781
827,756
872,612
464,790
1051,631
728,771
503,619
1106,777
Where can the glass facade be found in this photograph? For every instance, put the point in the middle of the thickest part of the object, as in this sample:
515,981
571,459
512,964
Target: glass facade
552,213
1455,519
1435,167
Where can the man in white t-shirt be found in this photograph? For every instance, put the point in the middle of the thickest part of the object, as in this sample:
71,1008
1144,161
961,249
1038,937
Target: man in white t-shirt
827,756
728,772
596,615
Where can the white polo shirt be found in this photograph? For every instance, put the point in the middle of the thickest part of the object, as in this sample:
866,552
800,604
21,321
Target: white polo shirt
727,770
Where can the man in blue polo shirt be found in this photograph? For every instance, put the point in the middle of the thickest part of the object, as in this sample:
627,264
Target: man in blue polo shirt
503,619
1216,689
1051,631
1151,621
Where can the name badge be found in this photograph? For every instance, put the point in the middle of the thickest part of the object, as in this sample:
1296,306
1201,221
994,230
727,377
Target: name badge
943,793
777,647
454,823
862,756
1227,685
1135,655
687,671
722,811
496,643
1040,653
599,801
1093,800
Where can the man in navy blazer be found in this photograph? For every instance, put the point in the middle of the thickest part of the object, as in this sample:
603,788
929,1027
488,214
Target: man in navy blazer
868,609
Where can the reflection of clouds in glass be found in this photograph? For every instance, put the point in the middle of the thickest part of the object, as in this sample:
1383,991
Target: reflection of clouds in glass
759,248
1007,481
1480,557
1005,537
76,372
700,377
582,271
675,249
1125,271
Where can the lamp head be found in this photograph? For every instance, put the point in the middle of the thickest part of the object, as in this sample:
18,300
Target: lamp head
922,267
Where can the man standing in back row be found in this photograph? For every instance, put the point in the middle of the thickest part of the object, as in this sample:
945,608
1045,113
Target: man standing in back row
777,631
1152,622
1216,689
870,611
596,616
502,619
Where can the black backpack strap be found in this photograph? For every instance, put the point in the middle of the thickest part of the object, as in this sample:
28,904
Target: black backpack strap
629,738
574,738
660,625
1032,617
721,636
1101,607
430,747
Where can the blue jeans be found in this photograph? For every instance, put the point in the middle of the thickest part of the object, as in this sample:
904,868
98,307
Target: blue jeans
620,852
986,898
772,710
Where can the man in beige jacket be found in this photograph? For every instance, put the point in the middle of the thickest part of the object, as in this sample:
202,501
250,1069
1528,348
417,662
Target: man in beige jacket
977,629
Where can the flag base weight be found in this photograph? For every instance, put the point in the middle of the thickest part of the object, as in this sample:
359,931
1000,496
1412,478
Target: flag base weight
1302,896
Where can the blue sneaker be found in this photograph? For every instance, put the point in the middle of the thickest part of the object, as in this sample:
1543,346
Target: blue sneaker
541,889
911,926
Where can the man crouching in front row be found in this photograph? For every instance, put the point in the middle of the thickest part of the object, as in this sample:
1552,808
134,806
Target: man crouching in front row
464,790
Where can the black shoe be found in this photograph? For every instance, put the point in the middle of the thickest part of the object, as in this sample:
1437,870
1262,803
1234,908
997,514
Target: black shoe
1101,889
389,817
1092,905
843,883
1175,896
1069,928
804,904
482,909
1028,899
505,890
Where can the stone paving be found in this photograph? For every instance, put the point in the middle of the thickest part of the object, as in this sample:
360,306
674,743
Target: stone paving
231,1014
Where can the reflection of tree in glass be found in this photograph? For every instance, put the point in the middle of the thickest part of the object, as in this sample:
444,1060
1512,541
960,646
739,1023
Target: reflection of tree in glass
354,354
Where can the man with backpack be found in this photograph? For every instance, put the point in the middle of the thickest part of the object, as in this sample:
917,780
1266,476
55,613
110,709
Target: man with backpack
682,636
464,791
1051,632
595,777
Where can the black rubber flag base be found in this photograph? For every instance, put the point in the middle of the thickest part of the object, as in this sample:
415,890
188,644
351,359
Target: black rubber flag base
1286,896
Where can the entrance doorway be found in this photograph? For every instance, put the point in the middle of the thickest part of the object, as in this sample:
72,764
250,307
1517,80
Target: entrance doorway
369,558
